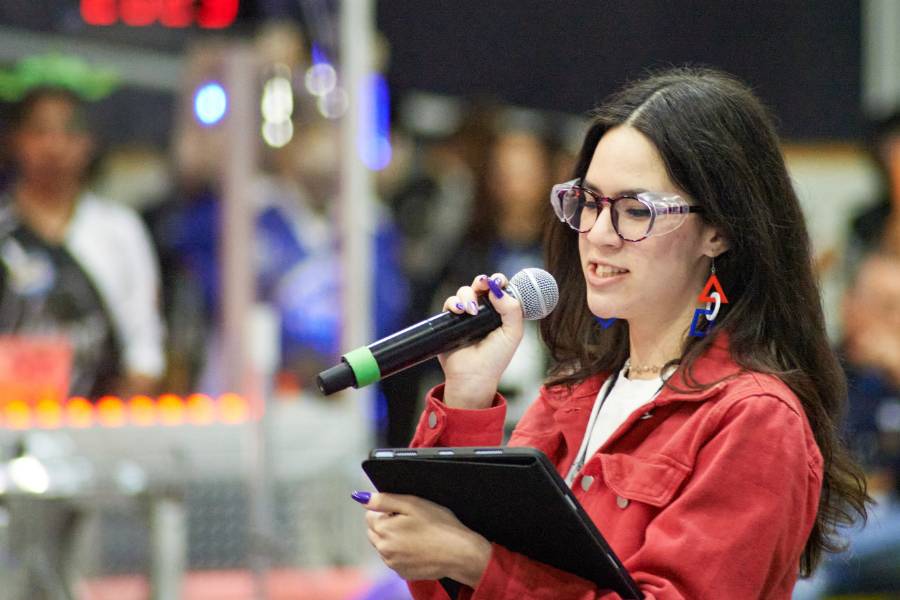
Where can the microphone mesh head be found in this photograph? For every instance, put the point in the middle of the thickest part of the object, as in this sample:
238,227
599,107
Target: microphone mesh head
536,291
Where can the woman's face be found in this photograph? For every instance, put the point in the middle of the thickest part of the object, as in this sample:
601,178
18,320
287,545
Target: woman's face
660,277
518,173
52,144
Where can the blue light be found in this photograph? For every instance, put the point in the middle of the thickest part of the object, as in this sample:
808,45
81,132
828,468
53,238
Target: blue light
318,57
375,149
210,103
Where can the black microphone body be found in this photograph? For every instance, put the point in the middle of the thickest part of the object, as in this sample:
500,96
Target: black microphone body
441,333
415,344
534,289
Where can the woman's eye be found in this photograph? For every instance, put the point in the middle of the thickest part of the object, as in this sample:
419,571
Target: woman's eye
638,213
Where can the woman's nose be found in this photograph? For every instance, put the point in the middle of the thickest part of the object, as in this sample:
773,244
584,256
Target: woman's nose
603,233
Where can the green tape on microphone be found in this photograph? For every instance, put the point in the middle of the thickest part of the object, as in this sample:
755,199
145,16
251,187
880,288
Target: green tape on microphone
364,366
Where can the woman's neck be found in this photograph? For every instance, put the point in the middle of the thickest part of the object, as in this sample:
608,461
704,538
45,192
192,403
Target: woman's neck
47,209
655,344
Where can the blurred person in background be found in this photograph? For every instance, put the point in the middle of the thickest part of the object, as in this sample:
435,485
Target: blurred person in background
186,227
74,265
877,228
296,256
430,185
872,356
433,207
506,236
307,292
871,352
872,328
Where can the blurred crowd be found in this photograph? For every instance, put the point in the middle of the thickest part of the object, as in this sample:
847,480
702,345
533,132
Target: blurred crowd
112,256
111,269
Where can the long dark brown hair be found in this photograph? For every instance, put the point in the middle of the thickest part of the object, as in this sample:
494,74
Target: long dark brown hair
719,145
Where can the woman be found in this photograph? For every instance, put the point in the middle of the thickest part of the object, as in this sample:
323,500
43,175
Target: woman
707,456
72,265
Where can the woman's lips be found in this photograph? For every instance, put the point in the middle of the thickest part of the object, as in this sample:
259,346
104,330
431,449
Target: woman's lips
603,274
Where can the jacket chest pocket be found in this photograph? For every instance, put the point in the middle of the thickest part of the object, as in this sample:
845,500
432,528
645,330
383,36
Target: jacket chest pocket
652,480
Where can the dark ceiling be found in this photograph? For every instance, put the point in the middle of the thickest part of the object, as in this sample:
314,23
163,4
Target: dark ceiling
802,56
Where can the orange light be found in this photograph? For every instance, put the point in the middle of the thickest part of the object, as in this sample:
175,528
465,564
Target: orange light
48,413
201,410
142,411
79,412
111,411
171,409
18,414
232,408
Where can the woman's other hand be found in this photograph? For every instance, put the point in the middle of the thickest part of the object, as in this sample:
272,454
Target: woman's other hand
472,373
422,540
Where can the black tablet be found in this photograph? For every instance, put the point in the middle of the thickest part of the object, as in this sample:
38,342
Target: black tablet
514,497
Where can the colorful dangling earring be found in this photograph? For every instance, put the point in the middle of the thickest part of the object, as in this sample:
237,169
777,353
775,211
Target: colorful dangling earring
714,301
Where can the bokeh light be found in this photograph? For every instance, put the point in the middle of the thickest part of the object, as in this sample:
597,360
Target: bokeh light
29,475
210,103
320,79
111,411
277,134
375,145
277,100
79,412
334,104
142,410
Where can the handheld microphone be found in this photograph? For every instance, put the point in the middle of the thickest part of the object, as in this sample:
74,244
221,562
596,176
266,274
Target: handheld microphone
535,289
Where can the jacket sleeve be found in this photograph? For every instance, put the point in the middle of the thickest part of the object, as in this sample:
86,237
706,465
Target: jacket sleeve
736,529
441,425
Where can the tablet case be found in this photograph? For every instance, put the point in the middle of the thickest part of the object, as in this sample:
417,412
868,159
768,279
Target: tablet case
513,497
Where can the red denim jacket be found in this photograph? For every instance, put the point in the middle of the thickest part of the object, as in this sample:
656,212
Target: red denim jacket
708,494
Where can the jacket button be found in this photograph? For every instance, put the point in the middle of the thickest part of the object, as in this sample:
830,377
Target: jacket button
586,482
432,419
622,502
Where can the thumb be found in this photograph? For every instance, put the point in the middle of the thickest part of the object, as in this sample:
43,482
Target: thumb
507,306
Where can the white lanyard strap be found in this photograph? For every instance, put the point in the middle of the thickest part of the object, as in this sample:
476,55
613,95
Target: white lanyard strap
581,457
595,413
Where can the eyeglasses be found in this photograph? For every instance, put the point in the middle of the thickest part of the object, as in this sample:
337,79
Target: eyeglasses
635,216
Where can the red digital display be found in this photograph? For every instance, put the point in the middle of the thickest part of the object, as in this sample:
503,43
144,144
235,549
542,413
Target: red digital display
209,14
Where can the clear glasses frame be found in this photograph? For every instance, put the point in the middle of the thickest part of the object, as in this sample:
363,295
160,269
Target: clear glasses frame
640,214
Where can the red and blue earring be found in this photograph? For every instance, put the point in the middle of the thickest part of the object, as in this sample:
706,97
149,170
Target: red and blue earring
714,299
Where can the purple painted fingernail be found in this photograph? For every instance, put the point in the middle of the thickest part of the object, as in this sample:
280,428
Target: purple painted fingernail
459,306
361,497
495,287
472,308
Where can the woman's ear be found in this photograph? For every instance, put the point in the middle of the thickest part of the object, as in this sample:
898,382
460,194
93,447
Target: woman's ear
714,243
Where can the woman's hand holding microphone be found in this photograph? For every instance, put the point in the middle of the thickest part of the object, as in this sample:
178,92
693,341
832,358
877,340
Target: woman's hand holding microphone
472,373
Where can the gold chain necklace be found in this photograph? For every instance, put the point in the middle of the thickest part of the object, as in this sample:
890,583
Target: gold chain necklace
642,369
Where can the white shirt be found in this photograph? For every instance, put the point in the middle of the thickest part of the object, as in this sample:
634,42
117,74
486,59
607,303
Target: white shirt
621,399
112,245
626,396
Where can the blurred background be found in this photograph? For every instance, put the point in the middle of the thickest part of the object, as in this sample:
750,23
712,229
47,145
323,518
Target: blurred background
204,202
